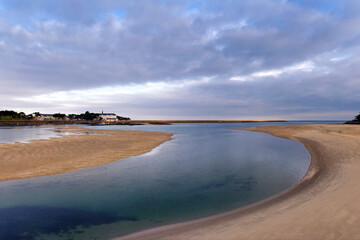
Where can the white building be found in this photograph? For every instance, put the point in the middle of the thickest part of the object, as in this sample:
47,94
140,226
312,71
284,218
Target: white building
108,117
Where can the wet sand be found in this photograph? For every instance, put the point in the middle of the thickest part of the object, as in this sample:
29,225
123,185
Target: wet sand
69,153
322,205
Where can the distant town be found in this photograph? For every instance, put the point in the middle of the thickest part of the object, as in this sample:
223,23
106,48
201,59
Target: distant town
9,115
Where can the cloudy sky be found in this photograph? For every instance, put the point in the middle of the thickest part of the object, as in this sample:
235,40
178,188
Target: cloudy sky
182,59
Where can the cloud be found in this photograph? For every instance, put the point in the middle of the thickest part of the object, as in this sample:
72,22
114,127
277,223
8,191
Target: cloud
107,94
307,66
281,56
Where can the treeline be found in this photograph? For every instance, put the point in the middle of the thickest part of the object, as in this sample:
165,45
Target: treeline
357,118
87,116
123,118
9,115
12,115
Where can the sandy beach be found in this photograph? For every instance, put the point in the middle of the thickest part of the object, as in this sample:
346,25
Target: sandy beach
322,205
69,153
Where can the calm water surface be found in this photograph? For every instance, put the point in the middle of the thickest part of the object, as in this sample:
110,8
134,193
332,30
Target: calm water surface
206,169
25,134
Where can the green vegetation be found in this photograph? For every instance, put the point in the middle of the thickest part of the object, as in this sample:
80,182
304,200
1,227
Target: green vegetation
357,118
12,115
5,118
87,116
9,115
123,118
59,115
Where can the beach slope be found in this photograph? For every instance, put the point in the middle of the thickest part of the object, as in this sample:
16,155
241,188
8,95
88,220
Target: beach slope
88,149
322,205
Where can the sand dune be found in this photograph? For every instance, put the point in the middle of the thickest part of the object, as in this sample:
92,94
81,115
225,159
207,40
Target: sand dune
323,205
69,153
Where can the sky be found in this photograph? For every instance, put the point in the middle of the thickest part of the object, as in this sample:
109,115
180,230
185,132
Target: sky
182,59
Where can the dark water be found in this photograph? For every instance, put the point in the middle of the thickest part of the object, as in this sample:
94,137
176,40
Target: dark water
206,169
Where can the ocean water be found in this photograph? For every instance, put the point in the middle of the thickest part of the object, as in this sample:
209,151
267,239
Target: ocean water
206,169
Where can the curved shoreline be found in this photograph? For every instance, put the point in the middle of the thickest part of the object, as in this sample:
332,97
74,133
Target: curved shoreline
293,213
90,148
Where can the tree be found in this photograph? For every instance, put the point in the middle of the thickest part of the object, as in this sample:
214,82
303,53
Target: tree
22,115
357,118
59,115
73,116
123,118
88,116
11,115
37,114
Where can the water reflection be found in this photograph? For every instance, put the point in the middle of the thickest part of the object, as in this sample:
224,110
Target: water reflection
25,134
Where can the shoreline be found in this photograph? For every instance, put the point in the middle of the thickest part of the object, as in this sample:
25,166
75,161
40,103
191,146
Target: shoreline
300,212
89,148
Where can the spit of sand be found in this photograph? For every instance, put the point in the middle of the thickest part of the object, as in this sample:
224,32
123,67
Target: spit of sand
59,155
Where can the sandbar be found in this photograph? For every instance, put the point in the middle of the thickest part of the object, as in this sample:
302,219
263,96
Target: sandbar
90,148
324,204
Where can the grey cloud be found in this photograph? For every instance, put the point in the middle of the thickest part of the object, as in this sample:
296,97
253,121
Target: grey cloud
48,46
156,42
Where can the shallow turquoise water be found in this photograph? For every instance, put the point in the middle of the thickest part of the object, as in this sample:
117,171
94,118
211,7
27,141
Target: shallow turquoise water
206,169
